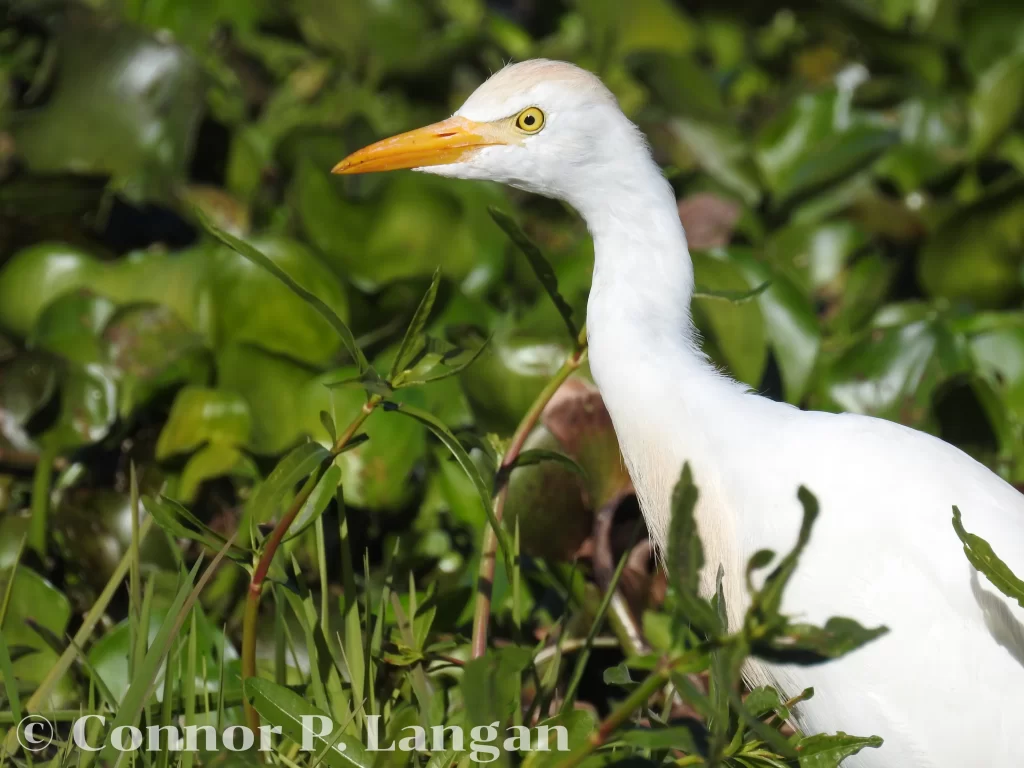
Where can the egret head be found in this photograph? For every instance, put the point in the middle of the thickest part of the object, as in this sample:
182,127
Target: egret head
544,126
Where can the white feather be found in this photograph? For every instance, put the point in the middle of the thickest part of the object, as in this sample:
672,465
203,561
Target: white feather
944,687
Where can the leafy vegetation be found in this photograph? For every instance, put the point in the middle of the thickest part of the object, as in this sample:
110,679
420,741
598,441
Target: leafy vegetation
258,423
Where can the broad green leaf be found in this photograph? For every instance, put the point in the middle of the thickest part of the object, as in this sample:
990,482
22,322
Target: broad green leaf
151,349
70,327
491,685
820,139
722,154
790,323
302,305
33,277
829,750
255,256
997,100
806,644
201,415
88,408
146,142
737,335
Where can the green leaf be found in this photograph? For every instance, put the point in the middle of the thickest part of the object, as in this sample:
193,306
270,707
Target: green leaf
686,558
312,299
491,684
533,456
618,675
996,101
722,153
541,267
201,415
455,447
251,305
807,644
737,336
790,322
819,140
825,750
678,737
982,557
733,297
407,350
143,682
316,503
179,522
769,600
146,142
282,707
293,468
445,364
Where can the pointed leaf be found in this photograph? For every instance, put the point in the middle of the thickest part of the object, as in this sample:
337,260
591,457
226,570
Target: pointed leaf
407,349
246,250
541,267
535,456
283,707
455,447
982,557
826,750
686,557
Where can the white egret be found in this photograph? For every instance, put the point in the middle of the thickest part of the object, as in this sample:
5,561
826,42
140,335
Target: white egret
945,687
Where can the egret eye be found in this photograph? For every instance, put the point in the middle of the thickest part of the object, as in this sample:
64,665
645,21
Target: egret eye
530,120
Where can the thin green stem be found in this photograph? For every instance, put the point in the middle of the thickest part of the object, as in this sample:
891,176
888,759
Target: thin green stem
250,620
637,699
489,546
611,592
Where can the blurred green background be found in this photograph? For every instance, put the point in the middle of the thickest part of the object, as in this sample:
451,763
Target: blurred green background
865,156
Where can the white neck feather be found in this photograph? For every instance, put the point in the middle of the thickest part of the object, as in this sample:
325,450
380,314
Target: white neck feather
667,401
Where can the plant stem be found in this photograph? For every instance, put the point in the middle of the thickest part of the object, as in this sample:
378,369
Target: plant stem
489,546
250,620
637,699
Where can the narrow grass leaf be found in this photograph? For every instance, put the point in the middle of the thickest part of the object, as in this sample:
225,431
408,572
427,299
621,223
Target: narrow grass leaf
139,691
541,267
733,297
452,443
412,340
246,250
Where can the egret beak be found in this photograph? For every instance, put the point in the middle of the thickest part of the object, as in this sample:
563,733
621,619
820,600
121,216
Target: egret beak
442,143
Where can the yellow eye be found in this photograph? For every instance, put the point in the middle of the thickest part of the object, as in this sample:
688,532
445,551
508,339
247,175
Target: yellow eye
530,120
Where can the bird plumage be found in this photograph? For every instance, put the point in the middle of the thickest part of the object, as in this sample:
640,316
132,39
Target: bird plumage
943,687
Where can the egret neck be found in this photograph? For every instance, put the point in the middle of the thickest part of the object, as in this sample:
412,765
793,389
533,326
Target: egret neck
645,356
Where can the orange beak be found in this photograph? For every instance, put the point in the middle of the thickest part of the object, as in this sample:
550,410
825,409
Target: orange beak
446,142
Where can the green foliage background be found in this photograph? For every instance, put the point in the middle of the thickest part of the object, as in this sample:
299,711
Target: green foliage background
865,156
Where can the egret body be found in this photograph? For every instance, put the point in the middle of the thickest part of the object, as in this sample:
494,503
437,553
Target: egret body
944,687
